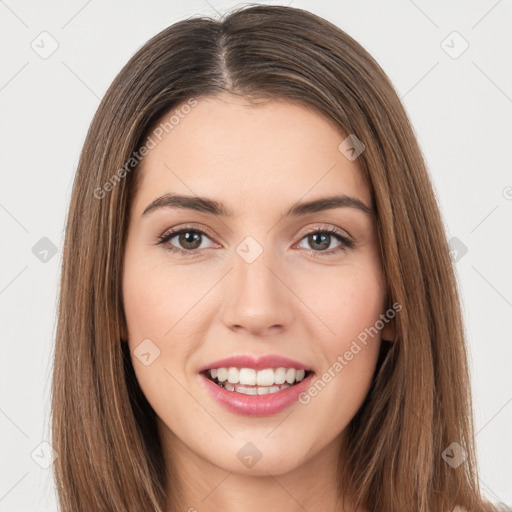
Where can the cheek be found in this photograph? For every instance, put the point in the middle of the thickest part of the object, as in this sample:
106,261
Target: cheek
348,299
144,304
155,298
357,307
162,304
351,308
154,304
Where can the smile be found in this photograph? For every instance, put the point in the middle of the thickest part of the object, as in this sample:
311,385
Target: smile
249,381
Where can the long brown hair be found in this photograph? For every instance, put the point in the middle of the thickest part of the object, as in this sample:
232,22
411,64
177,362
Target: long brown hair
103,428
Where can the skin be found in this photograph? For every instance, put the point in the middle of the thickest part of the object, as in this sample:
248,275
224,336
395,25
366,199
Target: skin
258,161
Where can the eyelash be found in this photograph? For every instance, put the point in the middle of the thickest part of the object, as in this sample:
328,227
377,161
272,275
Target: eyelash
346,243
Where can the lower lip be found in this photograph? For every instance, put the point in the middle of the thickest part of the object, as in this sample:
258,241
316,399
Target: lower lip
256,405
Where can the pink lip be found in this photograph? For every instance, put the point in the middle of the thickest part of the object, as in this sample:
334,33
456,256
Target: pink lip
268,361
256,405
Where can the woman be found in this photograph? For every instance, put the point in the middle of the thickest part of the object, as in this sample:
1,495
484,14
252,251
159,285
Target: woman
258,307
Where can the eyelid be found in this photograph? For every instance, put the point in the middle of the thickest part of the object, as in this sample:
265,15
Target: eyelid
347,242
175,231
325,227
191,227
345,239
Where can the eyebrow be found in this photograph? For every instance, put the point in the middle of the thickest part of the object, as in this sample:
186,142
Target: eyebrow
202,204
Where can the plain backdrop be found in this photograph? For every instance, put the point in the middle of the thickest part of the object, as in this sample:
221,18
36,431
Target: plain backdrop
451,65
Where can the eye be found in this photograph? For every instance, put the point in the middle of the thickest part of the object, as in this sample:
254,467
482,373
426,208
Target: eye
189,238
321,239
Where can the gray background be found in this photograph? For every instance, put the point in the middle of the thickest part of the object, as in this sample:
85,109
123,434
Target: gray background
461,109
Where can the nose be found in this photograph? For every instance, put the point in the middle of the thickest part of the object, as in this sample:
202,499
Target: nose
257,297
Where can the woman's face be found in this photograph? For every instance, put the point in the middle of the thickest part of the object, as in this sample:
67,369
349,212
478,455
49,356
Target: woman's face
250,281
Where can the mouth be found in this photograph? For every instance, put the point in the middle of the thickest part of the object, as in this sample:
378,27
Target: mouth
249,381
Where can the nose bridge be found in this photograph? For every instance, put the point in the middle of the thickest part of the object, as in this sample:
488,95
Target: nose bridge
256,298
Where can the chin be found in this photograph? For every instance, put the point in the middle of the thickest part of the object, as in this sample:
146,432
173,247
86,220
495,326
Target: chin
272,464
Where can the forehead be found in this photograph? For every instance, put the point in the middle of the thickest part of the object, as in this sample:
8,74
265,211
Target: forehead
246,154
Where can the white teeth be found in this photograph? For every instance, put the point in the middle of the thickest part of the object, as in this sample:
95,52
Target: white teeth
265,377
233,375
246,390
280,376
290,375
247,376
255,390
261,378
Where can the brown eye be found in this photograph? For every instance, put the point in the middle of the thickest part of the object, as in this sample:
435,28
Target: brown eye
188,240
320,240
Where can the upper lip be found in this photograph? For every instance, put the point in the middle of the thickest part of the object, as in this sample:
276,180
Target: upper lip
258,363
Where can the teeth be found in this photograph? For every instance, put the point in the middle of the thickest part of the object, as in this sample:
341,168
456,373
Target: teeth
247,376
261,378
280,376
245,390
265,377
254,390
233,375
